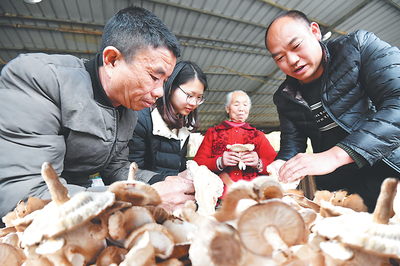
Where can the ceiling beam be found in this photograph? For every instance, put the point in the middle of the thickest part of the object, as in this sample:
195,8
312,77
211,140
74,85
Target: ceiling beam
66,30
284,8
49,50
219,41
202,11
264,52
393,4
99,32
82,23
345,17
235,74
221,48
270,76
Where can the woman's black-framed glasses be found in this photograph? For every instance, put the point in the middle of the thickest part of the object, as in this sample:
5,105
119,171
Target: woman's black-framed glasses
192,99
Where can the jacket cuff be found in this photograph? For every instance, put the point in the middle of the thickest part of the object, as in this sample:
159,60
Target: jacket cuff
357,158
219,164
156,178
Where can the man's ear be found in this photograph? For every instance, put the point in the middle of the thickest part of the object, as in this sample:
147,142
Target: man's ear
315,30
111,57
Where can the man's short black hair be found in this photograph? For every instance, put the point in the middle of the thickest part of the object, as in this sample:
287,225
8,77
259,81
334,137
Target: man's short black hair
133,29
295,14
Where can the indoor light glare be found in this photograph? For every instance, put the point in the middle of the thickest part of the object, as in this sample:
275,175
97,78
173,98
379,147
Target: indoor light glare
32,1
326,36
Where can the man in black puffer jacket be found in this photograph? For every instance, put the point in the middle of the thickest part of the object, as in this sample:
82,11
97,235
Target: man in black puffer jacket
345,96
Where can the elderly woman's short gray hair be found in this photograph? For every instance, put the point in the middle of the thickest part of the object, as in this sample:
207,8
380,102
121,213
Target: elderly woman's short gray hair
229,98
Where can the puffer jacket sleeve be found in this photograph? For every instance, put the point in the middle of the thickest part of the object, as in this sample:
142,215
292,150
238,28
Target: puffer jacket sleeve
293,141
117,169
379,135
30,131
138,145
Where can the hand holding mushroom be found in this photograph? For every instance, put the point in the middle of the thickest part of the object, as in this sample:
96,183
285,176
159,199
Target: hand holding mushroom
245,154
249,158
174,193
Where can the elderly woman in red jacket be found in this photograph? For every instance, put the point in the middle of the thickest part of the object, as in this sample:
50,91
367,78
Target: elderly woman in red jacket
214,153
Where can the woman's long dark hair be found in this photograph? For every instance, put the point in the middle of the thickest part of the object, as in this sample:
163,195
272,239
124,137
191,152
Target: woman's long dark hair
184,72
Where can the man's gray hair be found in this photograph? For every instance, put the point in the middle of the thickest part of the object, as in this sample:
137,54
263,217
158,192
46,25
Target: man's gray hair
229,97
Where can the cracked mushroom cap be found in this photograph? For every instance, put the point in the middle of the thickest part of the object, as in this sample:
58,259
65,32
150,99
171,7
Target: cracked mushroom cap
53,220
160,237
82,244
274,213
63,213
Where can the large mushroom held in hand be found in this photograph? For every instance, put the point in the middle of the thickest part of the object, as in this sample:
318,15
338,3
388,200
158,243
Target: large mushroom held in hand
240,148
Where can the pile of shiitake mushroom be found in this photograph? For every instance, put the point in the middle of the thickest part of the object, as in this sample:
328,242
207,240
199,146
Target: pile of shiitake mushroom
257,223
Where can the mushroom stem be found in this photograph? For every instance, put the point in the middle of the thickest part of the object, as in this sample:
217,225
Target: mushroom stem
281,250
384,205
59,193
132,171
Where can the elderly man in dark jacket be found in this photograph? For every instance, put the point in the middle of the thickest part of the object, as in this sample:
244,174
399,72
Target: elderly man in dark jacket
345,96
79,115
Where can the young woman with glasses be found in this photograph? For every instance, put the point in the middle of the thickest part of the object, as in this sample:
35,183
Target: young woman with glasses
159,144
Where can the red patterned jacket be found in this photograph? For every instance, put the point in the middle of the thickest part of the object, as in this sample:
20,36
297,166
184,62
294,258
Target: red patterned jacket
216,139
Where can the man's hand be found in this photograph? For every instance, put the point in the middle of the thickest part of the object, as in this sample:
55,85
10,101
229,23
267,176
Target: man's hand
185,174
274,167
313,164
174,192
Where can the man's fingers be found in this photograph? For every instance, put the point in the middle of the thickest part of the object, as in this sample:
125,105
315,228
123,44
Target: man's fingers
187,188
187,197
